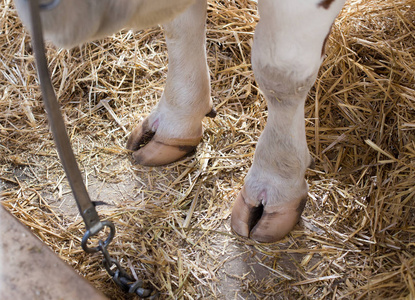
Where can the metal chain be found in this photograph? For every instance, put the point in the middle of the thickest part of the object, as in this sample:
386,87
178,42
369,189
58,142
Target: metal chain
121,277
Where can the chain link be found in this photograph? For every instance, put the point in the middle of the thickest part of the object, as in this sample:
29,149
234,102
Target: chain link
121,277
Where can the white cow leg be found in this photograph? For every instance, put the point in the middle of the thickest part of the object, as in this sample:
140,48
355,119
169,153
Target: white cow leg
286,56
174,128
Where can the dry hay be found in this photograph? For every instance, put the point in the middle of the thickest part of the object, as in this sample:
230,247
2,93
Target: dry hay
356,239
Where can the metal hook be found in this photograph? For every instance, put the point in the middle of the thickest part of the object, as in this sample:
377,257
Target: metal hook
89,233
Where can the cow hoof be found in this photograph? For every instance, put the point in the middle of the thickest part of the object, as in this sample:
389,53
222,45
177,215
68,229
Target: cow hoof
151,150
265,223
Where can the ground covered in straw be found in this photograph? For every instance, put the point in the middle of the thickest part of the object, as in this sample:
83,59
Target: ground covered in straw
357,234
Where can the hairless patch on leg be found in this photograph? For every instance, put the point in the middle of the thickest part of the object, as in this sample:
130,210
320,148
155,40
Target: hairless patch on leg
325,3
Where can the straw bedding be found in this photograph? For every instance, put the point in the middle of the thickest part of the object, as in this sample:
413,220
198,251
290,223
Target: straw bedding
356,238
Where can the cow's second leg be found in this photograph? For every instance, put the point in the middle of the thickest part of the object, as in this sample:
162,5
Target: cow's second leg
174,128
286,56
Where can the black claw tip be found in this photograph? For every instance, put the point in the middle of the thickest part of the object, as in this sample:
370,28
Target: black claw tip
212,113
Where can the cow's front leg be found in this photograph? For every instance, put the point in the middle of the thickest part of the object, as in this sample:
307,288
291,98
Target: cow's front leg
174,128
286,56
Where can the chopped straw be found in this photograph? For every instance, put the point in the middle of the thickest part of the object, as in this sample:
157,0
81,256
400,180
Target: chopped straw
356,239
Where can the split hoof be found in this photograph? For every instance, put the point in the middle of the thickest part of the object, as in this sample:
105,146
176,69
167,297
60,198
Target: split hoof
265,223
152,150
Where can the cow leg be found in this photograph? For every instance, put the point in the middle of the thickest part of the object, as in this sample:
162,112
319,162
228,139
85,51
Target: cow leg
174,128
286,56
